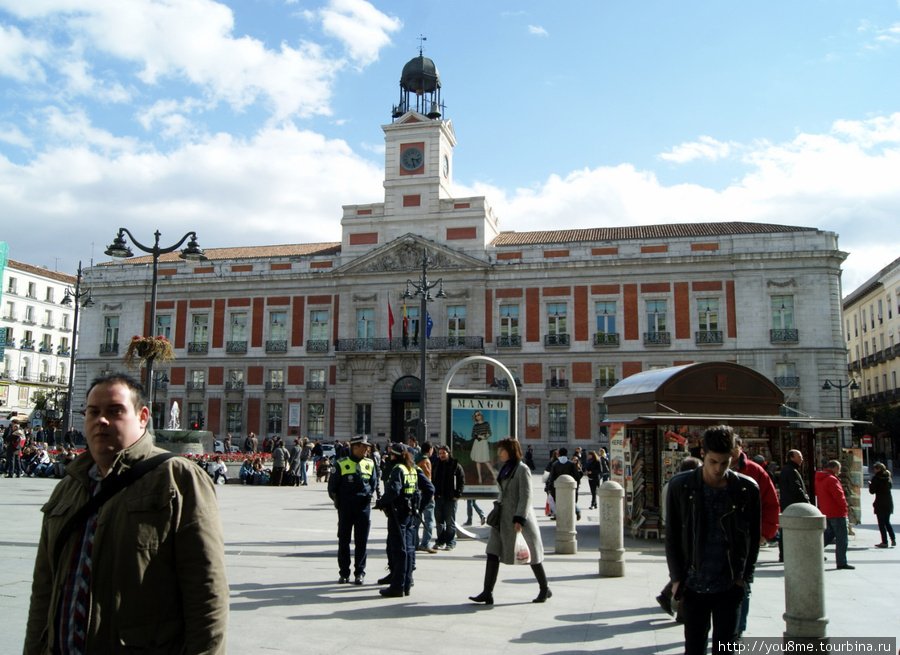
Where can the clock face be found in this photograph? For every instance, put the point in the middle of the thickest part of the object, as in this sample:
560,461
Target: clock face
411,158
446,166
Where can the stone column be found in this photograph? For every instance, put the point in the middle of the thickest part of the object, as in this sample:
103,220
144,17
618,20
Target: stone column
566,542
802,526
610,497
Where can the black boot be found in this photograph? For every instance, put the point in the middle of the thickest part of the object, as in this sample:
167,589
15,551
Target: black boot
490,579
545,592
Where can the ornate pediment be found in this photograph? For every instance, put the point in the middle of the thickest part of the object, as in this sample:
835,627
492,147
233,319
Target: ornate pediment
405,254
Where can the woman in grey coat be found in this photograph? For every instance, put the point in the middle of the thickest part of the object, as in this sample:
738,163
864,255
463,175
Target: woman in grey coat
516,515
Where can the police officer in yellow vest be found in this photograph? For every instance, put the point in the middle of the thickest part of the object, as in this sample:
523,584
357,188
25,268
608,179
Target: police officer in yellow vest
351,487
405,488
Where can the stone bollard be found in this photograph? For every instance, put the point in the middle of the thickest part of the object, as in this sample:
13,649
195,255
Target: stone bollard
610,496
802,526
566,542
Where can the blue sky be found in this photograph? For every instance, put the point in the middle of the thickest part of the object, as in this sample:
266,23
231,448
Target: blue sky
253,121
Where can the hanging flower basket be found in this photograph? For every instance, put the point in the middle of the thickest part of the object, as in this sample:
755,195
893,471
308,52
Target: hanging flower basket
144,348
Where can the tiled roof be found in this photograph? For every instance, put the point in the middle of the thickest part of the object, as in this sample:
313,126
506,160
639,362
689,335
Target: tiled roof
640,232
65,278
250,252
869,285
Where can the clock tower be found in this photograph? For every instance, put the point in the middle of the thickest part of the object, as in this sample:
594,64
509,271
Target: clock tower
418,143
418,175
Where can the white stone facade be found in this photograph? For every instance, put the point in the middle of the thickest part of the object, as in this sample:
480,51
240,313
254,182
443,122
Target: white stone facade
38,345
294,340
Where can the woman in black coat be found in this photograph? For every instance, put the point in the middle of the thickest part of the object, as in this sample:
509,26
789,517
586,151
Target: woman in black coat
880,485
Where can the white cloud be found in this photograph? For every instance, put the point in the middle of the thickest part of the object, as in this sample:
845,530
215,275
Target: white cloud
362,29
282,186
706,148
20,56
537,31
13,135
188,40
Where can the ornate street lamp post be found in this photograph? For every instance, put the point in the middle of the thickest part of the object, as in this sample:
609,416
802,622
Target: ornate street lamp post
77,294
840,386
422,288
119,249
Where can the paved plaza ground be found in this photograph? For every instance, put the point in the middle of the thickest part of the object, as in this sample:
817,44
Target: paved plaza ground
281,549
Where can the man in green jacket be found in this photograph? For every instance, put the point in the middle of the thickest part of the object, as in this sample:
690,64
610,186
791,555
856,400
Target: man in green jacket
145,572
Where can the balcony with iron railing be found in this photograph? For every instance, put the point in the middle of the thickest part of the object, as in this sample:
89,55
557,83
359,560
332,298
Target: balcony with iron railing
708,337
276,346
10,343
605,383
47,325
63,352
198,347
10,317
235,385
606,338
236,347
161,385
657,339
195,385
509,341
7,375
274,386
888,353
854,366
787,381
317,346
784,336
558,340
109,348
410,344
27,344
554,383
316,386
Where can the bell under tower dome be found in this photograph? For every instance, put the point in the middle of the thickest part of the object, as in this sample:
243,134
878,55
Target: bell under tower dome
420,88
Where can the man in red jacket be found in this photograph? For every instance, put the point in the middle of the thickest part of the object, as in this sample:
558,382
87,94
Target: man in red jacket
833,504
769,508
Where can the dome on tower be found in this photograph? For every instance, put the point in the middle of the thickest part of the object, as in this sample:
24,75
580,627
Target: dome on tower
419,76
420,89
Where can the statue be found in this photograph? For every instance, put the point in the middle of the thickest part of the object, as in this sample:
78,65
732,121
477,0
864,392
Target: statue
174,417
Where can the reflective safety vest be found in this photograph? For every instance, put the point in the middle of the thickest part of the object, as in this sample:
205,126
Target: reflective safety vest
410,480
365,466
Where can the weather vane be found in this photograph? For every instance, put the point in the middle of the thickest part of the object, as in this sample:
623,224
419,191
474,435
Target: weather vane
422,40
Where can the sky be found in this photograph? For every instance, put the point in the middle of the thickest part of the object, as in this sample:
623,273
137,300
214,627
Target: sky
253,121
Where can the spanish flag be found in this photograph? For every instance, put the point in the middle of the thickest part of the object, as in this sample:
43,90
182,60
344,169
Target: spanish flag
390,321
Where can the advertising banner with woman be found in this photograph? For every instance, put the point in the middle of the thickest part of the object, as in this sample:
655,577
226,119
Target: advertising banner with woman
477,422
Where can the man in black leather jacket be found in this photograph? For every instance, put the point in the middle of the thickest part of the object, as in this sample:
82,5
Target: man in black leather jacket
712,541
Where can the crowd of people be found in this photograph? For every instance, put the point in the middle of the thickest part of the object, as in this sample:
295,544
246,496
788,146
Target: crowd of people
418,487
24,455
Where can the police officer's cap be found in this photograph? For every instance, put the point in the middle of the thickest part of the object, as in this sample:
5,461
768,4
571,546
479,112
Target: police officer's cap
397,449
360,440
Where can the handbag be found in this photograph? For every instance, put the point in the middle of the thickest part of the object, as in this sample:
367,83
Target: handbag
523,555
493,517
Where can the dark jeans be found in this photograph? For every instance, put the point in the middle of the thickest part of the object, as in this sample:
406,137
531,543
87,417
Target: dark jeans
697,609
354,519
884,525
445,521
593,485
836,531
13,464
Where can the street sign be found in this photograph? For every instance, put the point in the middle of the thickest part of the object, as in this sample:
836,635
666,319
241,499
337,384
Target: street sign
866,441
2,342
